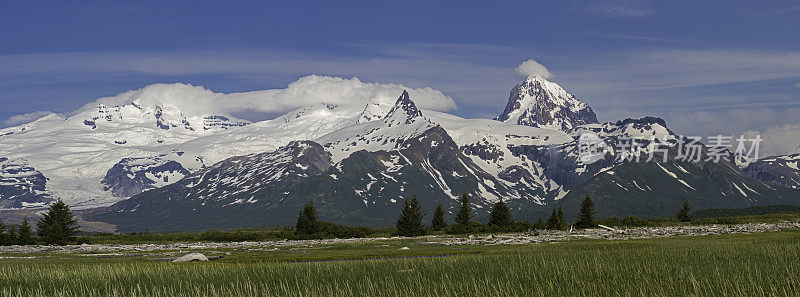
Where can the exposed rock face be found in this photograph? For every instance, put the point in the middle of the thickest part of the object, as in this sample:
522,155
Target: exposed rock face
781,170
234,192
537,102
21,185
406,107
132,176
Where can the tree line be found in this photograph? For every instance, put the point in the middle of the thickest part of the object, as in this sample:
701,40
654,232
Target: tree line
58,226
411,219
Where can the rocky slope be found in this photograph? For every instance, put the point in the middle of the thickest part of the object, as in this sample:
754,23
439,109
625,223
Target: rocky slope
780,170
21,185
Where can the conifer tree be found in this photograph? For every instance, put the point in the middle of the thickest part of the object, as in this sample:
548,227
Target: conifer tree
683,214
410,221
438,222
464,214
3,236
586,214
500,215
539,224
307,221
552,221
58,225
556,220
12,235
25,234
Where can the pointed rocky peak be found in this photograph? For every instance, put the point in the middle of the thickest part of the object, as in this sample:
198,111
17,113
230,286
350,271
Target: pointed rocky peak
404,110
537,102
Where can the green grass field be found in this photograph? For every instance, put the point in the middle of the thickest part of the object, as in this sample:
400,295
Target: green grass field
765,264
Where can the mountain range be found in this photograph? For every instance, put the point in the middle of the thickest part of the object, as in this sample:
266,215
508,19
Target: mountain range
147,163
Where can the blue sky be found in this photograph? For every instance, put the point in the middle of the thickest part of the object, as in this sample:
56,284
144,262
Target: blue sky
705,66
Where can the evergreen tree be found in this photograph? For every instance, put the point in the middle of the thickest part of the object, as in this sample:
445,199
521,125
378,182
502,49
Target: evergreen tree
25,234
3,236
307,221
683,214
438,222
12,235
410,221
586,215
539,224
58,225
556,220
464,214
552,221
500,215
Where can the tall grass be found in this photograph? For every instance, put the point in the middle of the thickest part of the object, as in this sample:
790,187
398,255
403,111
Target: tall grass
736,265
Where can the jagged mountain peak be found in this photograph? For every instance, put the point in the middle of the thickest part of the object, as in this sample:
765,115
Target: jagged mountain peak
404,110
538,102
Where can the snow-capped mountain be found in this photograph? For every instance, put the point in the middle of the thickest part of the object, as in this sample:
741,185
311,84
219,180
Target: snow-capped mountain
381,163
401,123
132,176
361,173
75,152
237,192
186,124
537,102
356,150
782,170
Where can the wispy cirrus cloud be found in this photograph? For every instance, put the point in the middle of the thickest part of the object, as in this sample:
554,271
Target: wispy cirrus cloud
679,68
616,8
25,118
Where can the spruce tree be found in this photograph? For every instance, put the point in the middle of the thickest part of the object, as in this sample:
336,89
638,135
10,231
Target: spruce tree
3,236
25,234
556,220
683,214
552,221
12,235
586,215
500,215
464,214
307,221
410,221
438,222
539,224
58,225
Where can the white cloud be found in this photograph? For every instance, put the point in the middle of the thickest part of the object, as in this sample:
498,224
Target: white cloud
451,68
778,127
312,89
778,140
531,67
25,118
797,85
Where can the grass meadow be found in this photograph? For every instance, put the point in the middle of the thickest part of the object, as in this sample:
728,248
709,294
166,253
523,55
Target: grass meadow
765,264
